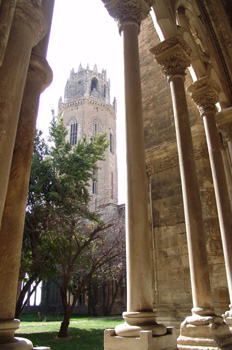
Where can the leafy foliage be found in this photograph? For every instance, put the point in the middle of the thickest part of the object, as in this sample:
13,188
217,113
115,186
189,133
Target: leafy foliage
63,240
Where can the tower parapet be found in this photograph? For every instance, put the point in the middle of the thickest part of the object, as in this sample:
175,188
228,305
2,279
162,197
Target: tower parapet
86,83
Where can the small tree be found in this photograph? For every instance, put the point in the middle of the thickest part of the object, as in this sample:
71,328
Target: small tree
63,240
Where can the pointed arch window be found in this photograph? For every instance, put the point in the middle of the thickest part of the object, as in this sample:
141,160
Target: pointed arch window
94,186
73,132
95,127
94,84
112,186
111,143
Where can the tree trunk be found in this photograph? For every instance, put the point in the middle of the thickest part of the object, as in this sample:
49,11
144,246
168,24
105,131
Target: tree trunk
93,296
63,332
20,305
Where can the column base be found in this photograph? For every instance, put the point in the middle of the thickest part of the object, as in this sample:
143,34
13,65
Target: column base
135,322
204,332
17,344
228,318
9,342
145,341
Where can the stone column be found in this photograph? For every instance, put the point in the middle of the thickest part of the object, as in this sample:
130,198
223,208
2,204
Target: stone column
205,92
139,315
225,126
27,29
227,168
203,328
38,76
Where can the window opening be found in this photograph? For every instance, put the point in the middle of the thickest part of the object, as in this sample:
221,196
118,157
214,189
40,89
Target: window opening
73,132
94,84
111,143
112,185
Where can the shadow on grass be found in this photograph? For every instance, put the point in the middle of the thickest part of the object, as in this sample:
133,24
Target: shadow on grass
77,339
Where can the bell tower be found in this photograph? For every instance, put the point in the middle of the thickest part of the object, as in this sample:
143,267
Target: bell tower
87,111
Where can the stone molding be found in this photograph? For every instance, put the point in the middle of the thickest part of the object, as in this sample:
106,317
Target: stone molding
128,11
64,105
40,70
173,55
205,93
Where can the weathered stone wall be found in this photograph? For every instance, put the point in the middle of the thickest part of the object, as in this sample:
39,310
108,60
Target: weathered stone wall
171,268
87,112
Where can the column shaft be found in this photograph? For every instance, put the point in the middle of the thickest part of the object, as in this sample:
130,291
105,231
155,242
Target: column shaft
139,288
14,210
199,271
13,74
227,173
221,192
205,93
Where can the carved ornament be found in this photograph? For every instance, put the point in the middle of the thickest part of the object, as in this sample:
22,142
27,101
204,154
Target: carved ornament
173,55
226,130
155,163
128,11
201,151
205,93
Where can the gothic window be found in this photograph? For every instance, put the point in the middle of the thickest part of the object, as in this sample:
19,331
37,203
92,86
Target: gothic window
94,84
112,185
104,91
94,187
111,143
73,132
95,127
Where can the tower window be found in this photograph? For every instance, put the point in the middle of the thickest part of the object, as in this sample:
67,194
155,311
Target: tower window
73,132
94,187
111,143
95,127
94,84
112,185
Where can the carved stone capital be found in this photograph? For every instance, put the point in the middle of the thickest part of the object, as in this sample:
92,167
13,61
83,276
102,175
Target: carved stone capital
128,11
7,9
173,55
205,93
226,130
31,13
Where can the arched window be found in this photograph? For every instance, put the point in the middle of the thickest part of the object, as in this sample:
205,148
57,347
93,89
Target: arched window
95,127
94,187
73,132
112,185
111,143
94,84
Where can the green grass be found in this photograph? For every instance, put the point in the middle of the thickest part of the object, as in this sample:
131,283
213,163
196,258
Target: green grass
84,332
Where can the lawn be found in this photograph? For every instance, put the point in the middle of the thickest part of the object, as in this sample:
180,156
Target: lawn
84,332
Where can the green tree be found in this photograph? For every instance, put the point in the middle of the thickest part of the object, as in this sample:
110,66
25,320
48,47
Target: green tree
63,239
